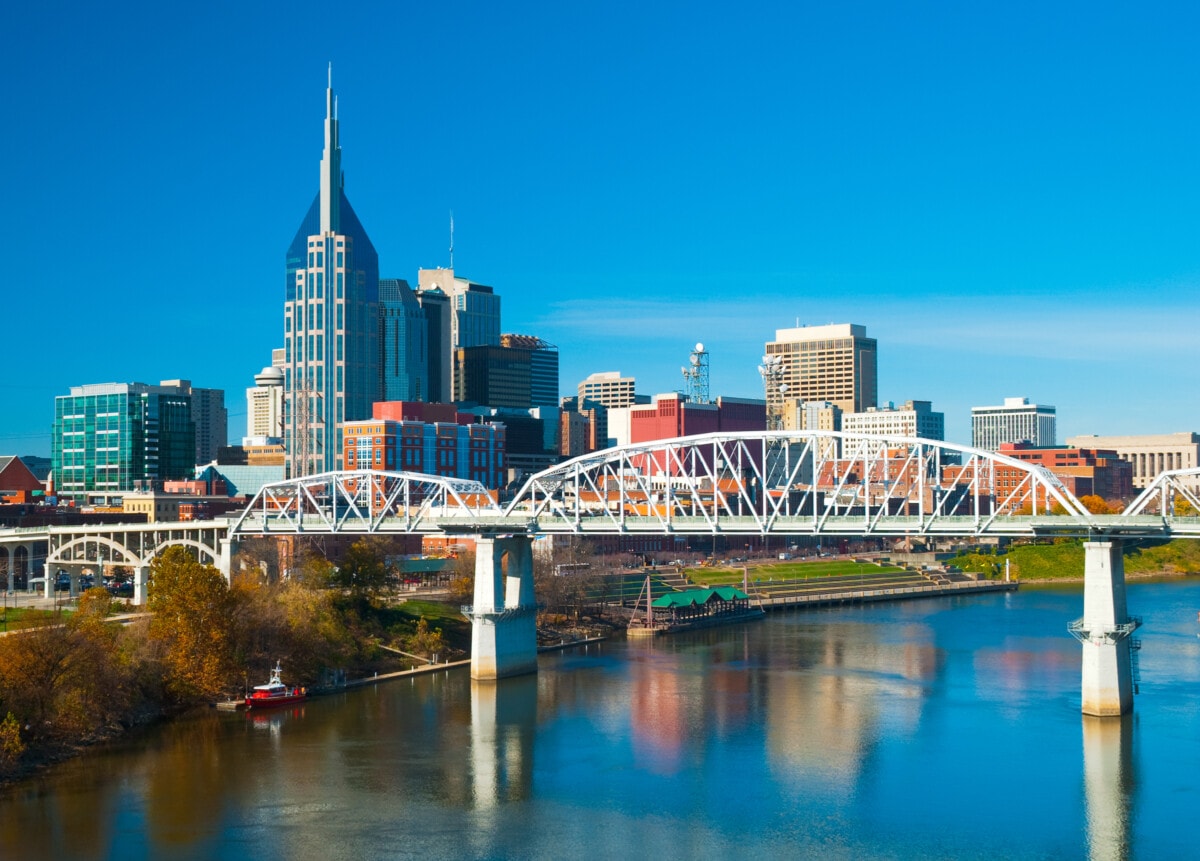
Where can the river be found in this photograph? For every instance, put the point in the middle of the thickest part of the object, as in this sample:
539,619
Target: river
941,728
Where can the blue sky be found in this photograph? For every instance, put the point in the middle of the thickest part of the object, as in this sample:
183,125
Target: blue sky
1006,195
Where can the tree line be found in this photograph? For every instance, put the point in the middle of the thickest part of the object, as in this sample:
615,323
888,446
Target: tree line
66,682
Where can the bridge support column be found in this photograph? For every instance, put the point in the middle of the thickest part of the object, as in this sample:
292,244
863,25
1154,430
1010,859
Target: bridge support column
504,616
141,575
226,547
1104,631
49,583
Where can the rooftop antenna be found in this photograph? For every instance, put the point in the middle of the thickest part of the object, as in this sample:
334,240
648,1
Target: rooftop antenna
695,376
452,239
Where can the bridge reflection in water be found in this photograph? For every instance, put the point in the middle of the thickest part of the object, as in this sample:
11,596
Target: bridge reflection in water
1108,786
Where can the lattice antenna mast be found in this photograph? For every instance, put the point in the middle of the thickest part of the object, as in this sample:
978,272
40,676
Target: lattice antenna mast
452,240
695,376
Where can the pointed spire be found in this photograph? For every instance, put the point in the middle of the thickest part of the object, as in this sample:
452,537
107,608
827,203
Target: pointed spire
331,165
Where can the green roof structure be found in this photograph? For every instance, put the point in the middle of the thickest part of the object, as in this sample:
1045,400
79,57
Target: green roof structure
698,597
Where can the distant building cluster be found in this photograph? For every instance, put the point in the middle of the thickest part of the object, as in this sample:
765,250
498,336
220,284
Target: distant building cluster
374,373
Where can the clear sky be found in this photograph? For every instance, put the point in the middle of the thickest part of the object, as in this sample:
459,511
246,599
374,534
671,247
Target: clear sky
1006,195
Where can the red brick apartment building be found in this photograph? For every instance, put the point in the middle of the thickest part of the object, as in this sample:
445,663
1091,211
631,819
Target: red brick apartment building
429,438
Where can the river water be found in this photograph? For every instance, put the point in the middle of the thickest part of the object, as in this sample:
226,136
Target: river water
941,728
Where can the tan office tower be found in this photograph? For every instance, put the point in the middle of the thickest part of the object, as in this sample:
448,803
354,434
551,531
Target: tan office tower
835,363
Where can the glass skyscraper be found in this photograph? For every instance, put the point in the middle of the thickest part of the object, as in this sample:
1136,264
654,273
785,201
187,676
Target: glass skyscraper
405,342
330,320
116,437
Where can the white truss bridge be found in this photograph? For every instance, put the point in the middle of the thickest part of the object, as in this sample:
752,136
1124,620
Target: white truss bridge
810,483
761,483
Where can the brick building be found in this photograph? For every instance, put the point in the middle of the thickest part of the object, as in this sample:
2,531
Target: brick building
456,449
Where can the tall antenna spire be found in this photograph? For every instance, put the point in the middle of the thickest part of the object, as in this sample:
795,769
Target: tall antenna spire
452,240
331,165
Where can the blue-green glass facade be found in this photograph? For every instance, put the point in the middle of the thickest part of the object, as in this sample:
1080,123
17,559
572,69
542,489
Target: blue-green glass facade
405,342
116,437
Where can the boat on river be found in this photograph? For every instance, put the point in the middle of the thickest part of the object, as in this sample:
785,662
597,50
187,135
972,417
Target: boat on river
275,692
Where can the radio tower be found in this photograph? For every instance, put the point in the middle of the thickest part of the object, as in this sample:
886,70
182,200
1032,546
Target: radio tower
695,376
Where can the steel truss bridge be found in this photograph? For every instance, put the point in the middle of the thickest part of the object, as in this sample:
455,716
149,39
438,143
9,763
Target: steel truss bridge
818,483
807,483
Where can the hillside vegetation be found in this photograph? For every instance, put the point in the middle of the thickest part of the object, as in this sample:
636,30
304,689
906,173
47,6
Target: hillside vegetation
1063,560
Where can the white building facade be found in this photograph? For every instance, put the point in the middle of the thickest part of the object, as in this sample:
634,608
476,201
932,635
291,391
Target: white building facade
1016,420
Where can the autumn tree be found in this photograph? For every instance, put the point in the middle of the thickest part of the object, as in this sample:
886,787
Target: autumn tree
191,613
363,570
462,578
424,641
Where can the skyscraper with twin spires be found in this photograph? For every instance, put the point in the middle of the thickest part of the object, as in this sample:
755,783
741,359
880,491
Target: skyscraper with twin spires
330,320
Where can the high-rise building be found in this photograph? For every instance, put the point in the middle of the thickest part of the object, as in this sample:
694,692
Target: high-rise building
836,363
264,408
493,376
114,437
1016,420
405,341
914,419
609,389
331,320
211,418
474,314
543,367
439,357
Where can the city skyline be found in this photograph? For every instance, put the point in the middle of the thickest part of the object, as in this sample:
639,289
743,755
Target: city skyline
1003,202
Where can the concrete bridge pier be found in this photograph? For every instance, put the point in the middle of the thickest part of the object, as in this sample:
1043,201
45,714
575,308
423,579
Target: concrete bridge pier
141,576
504,616
1104,631
226,550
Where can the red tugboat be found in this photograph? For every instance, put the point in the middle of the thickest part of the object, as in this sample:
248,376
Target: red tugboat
274,693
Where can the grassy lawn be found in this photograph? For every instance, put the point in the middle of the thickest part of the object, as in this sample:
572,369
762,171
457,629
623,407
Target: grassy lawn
1064,560
15,618
776,571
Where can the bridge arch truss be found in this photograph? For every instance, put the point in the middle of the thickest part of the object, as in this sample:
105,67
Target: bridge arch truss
800,482
366,501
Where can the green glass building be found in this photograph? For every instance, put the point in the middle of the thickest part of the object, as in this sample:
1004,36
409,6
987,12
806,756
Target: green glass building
115,437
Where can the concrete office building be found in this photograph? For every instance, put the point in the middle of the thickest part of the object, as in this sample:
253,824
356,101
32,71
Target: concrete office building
914,419
609,389
330,321
836,363
264,407
1149,454
1016,420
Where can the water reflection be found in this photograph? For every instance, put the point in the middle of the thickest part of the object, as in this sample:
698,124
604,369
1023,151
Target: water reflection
503,725
1108,779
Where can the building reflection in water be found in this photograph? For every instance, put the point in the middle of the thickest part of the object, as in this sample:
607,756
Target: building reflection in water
1108,782
838,692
